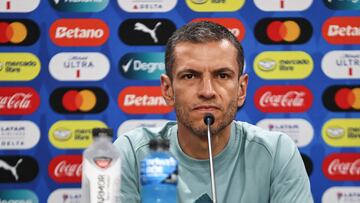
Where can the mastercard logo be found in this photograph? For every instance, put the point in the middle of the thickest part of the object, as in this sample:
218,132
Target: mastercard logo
79,100
283,31
18,32
342,98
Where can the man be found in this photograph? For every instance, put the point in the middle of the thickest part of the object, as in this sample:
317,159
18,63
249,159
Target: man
204,65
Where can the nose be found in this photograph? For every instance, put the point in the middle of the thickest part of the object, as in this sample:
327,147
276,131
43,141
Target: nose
207,90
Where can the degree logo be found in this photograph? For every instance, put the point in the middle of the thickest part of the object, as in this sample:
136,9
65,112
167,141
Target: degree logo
79,100
342,132
18,32
18,196
342,98
18,6
342,30
215,5
341,64
342,4
79,6
283,5
283,30
18,66
18,100
134,6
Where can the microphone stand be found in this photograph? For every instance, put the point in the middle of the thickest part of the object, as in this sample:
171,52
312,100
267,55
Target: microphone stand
209,119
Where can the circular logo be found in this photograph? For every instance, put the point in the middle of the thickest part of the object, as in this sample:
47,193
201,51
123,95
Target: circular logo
84,100
288,31
346,98
14,32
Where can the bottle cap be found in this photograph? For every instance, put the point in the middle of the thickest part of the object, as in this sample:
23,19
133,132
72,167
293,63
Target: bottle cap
156,144
102,132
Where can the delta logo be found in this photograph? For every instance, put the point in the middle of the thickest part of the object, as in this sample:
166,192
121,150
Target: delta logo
143,100
79,6
343,194
18,32
18,100
146,6
283,30
233,24
18,169
283,5
66,169
342,167
79,32
18,135
281,99
342,98
342,30
341,64
79,100
342,132
18,6
215,5
19,66
342,4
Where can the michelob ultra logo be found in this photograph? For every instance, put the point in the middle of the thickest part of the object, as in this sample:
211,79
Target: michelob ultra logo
342,132
18,32
18,100
142,66
18,6
343,194
342,30
283,5
79,66
132,124
79,6
215,5
283,65
18,66
18,135
143,100
79,32
342,98
134,6
65,195
74,134
18,196
341,64
342,4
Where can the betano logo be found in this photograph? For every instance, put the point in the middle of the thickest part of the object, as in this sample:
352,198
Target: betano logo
342,132
18,196
73,134
79,100
215,5
283,65
342,4
342,30
283,30
342,98
18,100
283,5
18,6
143,100
341,64
79,32
343,194
18,66
18,135
134,6
79,5
65,195
16,32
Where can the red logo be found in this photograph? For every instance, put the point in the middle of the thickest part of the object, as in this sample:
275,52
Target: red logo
342,167
18,100
143,100
79,32
272,99
233,24
66,168
342,30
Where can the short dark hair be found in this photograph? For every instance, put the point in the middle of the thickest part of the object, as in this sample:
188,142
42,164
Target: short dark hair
201,32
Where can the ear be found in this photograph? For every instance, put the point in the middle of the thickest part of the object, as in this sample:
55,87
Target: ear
166,90
243,83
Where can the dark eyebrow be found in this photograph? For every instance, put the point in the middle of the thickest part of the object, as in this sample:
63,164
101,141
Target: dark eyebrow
225,69
188,70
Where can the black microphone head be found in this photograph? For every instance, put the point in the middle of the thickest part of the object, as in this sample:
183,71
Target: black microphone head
209,119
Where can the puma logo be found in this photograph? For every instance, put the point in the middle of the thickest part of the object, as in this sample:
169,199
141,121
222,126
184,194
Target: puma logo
152,32
12,169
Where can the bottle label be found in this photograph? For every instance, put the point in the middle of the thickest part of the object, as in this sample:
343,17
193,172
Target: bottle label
159,171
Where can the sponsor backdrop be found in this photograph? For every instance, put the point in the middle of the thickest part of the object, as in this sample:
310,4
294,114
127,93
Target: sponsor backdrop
67,66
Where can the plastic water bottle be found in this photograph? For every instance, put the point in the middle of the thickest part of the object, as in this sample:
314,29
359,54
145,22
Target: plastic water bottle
158,174
101,169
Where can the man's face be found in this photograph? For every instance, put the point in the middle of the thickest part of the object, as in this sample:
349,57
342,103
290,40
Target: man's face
205,80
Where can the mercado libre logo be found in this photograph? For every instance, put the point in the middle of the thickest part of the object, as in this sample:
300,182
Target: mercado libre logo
79,6
18,6
18,100
342,30
19,66
18,169
18,32
342,4
79,100
343,132
342,98
283,30
215,5
66,169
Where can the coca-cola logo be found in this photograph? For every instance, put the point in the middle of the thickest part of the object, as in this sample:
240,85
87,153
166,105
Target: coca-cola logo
283,99
18,100
66,168
342,167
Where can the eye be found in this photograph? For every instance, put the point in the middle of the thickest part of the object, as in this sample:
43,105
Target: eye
223,75
188,76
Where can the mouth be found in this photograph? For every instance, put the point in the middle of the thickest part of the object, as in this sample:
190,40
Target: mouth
206,108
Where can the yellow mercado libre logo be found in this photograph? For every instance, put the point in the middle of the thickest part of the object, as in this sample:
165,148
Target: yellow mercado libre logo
72,134
215,5
283,65
19,66
342,132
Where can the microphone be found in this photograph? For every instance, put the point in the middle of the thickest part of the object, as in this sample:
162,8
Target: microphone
209,119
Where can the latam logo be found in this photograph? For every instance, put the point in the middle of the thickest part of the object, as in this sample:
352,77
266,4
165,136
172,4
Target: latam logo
143,100
18,6
146,6
341,64
18,32
79,6
343,194
79,66
215,5
142,66
18,135
18,196
342,167
65,195
146,31
233,24
18,169
342,4
283,30
79,100
73,134
18,100
342,30
342,132
342,98
283,65
309,166
79,32
283,5
19,66
281,99
132,124
66,169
